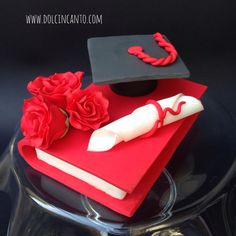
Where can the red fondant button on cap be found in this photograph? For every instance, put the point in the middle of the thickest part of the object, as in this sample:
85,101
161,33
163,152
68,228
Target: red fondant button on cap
134,50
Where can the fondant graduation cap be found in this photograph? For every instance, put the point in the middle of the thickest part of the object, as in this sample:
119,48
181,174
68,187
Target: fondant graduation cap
112,62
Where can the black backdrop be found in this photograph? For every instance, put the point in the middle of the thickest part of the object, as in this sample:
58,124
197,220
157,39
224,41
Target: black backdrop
202,31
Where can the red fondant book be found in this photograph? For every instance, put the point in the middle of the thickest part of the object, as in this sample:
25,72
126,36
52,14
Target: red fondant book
133,166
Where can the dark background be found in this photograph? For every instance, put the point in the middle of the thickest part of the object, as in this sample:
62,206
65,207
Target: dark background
202,31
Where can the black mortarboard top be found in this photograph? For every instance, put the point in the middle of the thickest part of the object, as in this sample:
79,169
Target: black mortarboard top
125,73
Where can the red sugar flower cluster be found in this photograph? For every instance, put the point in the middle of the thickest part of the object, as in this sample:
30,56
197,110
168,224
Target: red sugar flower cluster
59,102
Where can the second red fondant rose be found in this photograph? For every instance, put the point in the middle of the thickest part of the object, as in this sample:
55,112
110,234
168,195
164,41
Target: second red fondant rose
56,88
87,109
42,122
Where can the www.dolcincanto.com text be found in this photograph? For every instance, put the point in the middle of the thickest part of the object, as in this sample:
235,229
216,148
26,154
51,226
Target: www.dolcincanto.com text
64,19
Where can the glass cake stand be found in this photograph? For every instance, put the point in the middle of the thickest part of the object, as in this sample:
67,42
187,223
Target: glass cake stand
199,170
43,198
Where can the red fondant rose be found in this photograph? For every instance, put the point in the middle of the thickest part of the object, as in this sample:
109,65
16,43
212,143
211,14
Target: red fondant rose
87,109
42,122
56,87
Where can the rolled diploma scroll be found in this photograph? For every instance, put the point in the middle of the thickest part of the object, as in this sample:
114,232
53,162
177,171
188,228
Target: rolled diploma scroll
141,121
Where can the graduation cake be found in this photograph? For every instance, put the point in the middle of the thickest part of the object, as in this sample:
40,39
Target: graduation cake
111,140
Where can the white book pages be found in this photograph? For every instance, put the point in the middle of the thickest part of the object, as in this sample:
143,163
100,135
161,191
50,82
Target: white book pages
78,173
